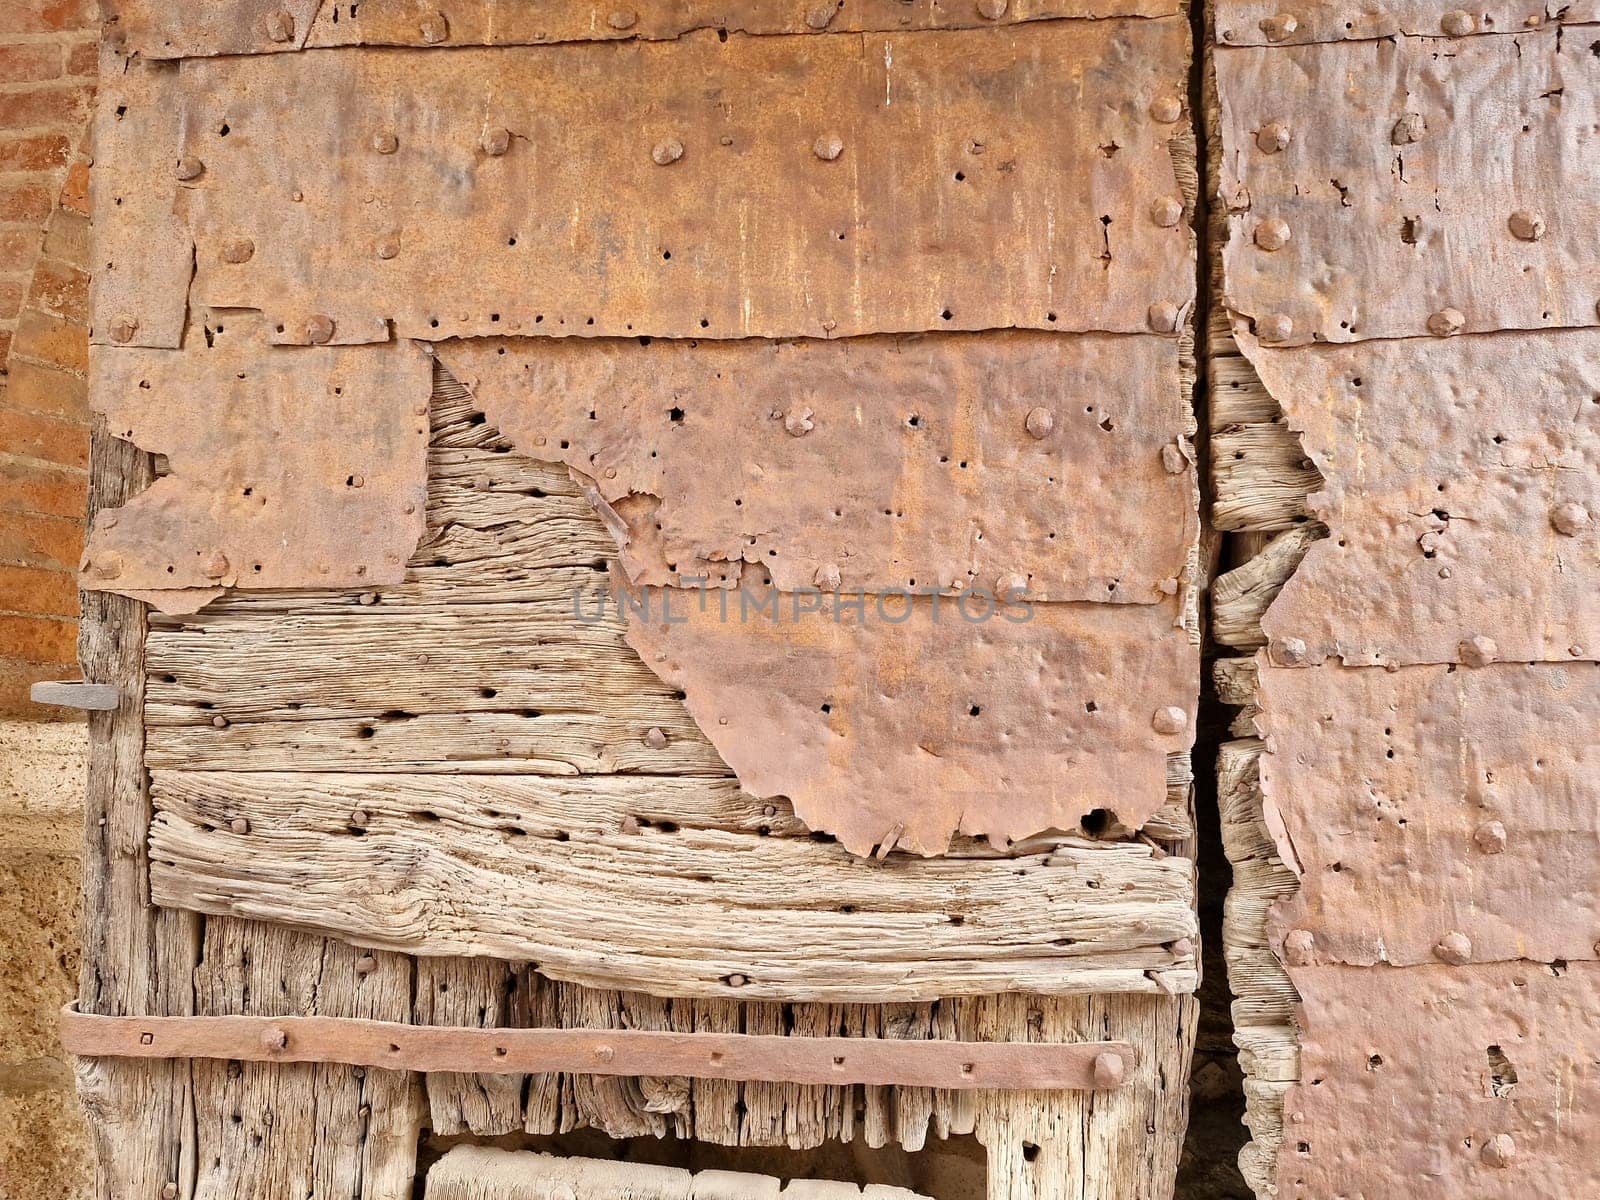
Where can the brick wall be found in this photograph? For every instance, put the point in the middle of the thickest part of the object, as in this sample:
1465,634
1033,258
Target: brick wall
47,67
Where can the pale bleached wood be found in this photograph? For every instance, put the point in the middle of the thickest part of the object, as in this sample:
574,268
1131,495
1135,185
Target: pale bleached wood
1237,395
1236,680
438,870
476,993
1260,477
1239,597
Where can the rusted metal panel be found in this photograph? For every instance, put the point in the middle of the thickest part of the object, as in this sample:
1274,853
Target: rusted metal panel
1433,804
893,722
1274,22
160,29
1029,462
1413,187
762,186
291,468
1439,1081
143,257
1463,491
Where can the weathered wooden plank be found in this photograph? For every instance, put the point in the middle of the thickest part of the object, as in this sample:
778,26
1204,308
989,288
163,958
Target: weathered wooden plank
438,871
1260,477
1427,185
749,225
1240,597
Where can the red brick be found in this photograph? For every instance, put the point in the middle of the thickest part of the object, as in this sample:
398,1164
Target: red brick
35,387
43,490
30,63
67,238
5,349
52,106
44,338
19,246
46,16
60,288
39,639
75,190
37,591
24,203
83,58
11,293
35,152
33,435
29,540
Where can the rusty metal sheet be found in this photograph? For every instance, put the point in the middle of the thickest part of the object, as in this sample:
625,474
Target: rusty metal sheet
160,29
1029,462
1463,495
142,253
292,468
1480,1081
761,186
1277,22
896,722
1436,803
163,29
1424,186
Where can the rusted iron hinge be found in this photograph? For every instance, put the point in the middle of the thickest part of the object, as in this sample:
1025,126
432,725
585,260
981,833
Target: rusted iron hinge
737,1056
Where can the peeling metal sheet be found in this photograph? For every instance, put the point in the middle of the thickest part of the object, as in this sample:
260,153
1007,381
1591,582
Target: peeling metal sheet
895,723
1483,1080
160,29
1028,462
1424,186
1271,22
761,186
164,29
1436,801
1463,492
143,256
290,468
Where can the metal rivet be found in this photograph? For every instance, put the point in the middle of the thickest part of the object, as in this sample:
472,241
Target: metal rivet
367,598
385,142
1182,948
1169,719
434,28
1166,211
1280,27
220,722
604,1053
1272,137
1478,651
1166,109
496,141
992,10
1291,651
1408,129
387,248
274,1038
280,26
655,738
1499,1150
1039,422
828,146
239,825
1525,225
1458,23
1163,316
1299,948
629,825
827,577
667,152
1570,519
216,566
1173,460
818,16
107,568
1453,948
1446,322
319,329
1490,837
797,421
736,980
190,167
1109,1070
238,250
1013,586
1272,234
366,965
168,1191
359,481
622,18
359,818
123,329
1275,327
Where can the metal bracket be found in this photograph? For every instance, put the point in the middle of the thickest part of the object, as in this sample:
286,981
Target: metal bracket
72,693
735,1056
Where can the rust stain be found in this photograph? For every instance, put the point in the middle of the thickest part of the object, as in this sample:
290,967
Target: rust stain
1022,463
894,722
1463,495
1425,186
290,468
676,188
1475,1081
1436,813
